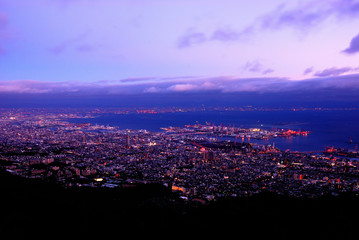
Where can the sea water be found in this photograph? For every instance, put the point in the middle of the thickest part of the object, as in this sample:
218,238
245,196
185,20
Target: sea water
338,128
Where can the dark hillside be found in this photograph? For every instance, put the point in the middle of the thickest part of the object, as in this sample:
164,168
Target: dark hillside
31,207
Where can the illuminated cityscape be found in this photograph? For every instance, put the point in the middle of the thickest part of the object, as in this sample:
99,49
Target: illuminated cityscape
199,162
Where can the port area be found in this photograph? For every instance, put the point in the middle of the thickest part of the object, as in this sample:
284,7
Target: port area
236,132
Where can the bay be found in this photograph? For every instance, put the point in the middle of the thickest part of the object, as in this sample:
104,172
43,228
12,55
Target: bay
328,128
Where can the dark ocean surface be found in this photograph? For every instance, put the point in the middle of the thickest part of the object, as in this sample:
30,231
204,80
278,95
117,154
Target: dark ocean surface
328,128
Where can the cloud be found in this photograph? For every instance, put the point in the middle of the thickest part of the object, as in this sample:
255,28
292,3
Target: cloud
307,15
191,37
257,67
37,87
334,71
187,87
303,17
299,17
308,70
225,35
152,90
354,46
329,78
23,86
346,8
226,85
349,82
139,79
152,79
267,71
253,66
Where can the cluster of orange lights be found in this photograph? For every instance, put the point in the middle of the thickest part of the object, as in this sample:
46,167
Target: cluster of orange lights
149,111
290,132
330,149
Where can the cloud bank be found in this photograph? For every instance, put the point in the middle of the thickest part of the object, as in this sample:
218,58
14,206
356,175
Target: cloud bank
329,78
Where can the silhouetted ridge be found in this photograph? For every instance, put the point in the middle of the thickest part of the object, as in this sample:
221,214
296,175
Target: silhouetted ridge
31,206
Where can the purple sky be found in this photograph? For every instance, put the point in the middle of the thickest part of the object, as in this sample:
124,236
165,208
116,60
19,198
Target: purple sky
149,46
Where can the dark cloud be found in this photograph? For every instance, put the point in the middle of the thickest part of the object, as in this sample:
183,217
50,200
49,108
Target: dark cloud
334,71
267,71
353,46
299,17
222,90
329,78
307,15
340,83
308,70
346,8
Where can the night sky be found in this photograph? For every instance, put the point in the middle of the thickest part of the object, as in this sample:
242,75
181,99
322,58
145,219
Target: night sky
303,51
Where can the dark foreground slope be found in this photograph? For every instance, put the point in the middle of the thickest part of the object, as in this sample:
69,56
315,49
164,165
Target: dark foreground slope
33,208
